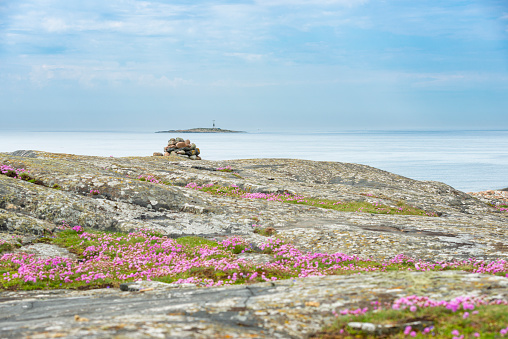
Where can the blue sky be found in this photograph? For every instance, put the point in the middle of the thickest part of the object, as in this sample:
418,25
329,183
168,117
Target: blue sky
322,65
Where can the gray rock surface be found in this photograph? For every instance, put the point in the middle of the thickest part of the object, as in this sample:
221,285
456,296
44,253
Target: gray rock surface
292,308
467,227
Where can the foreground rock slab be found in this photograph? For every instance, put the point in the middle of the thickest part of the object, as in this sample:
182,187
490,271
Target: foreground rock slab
293,308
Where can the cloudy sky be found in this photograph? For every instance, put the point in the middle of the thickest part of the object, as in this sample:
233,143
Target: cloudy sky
321,65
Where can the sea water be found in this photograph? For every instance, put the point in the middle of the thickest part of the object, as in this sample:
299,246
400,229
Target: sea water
466,160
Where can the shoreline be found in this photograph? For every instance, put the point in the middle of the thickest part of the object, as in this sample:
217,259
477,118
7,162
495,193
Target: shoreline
31,153
420,161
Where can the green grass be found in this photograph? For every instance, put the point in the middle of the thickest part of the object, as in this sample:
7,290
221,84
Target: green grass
489,321
266,231
193,241
401,207
361,206
132,254
6,247
71,240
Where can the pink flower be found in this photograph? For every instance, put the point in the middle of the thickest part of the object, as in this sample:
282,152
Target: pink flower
78,228
407,330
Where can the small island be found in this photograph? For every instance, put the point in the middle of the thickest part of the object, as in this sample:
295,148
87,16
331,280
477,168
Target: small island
201,130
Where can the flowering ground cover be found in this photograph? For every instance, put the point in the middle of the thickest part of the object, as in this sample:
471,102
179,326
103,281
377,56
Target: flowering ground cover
463,317
18,173
153,179
22,174
348,206
224,169
107,259
7,246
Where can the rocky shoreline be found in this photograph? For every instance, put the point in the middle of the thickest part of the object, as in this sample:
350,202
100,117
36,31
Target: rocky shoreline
108,194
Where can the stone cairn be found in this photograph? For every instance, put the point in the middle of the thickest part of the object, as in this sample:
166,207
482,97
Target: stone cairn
180,148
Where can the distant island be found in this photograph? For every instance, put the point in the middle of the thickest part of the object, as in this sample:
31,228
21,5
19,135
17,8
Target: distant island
201,130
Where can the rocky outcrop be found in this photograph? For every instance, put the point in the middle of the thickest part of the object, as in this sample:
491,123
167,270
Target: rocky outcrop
293,308
135,193
467,227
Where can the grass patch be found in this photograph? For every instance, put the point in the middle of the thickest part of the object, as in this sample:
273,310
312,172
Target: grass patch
485,321
19,173
110,258
266,231
193,241
347,206
224,169
6,247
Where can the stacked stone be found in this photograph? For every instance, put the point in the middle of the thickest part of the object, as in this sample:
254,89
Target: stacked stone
182,148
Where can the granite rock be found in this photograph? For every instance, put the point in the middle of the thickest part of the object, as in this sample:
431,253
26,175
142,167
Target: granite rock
467,227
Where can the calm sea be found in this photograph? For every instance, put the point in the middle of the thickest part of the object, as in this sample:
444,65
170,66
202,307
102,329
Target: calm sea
466,160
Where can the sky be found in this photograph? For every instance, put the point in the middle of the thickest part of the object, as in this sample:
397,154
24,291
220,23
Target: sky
254,65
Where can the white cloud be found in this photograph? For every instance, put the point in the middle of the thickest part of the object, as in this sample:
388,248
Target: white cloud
90,76
345,3
251,57
149,80
54,25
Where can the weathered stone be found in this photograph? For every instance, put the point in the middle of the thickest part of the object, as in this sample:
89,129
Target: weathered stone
180,144
293,308
145,286
467,228
157,154
45,251
25,154
167,154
